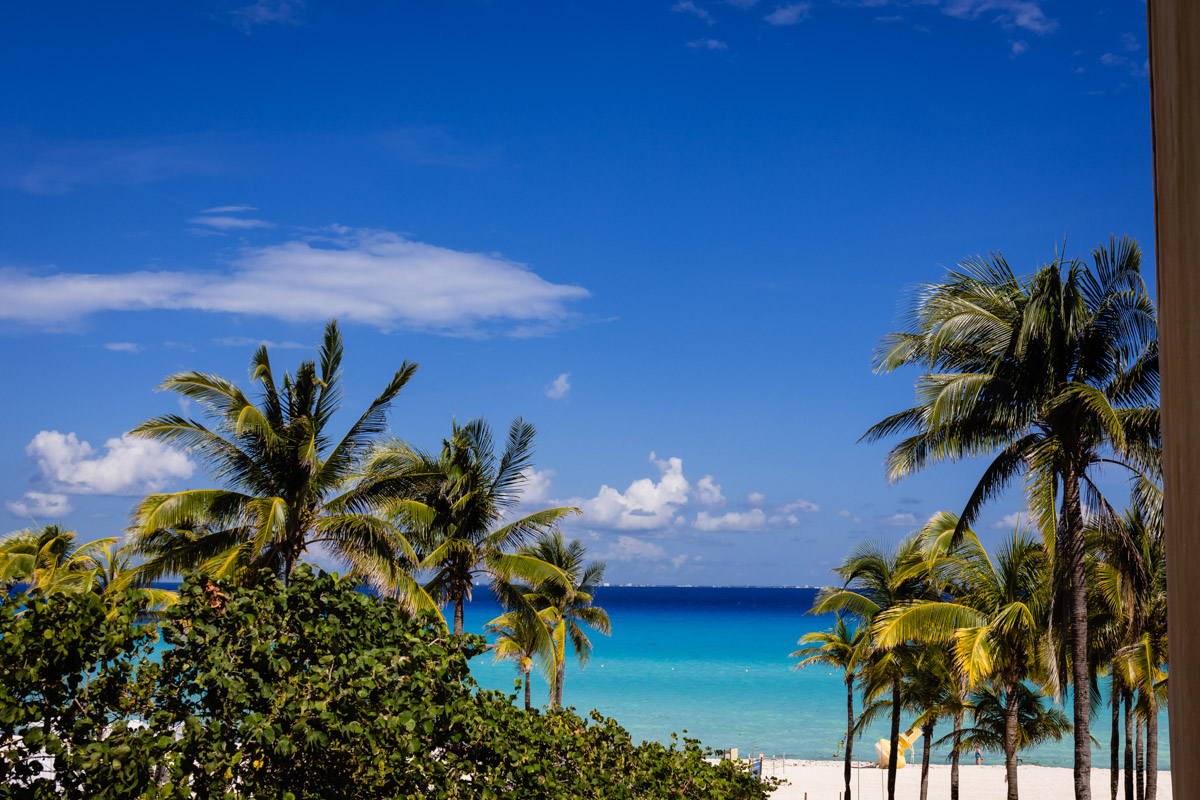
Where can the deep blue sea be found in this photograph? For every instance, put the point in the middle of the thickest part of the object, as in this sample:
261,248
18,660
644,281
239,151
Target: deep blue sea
714,662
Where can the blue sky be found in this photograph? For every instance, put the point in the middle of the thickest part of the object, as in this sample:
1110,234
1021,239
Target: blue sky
668,233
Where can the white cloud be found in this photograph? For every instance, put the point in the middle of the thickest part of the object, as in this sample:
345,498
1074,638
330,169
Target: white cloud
123,347
1017,519
250,341
903,519
801,505
40,504
752,520
844,513
708,44
789,14
1019,47
1130,41
374,277
231,223
228,209
537,485
645,505
1026,14
679,560
627,548
261,12
127,466
708,492
755,498
742,3
560,387
689,7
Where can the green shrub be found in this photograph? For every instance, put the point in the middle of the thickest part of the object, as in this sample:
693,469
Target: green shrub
310,690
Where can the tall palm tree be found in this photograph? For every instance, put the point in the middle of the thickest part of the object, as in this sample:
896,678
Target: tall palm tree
874,580
567,607
521,638
1055,374
995,625
455,501
287,483
50,559
842,648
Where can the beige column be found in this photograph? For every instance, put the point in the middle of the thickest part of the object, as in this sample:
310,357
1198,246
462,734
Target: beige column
1175,110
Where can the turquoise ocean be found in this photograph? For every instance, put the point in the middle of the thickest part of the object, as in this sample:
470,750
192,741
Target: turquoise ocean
714,662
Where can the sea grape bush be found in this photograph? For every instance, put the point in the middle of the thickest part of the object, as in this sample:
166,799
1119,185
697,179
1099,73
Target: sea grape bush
307,690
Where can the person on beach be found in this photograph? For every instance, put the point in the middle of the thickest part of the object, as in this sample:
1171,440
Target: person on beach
978,757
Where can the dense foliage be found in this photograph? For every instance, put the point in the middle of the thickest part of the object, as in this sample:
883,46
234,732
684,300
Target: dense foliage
307,690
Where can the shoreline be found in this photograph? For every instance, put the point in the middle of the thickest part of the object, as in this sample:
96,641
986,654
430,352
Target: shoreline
824,779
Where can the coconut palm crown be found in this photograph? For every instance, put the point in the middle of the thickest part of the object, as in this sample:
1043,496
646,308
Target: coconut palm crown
287,484
456,502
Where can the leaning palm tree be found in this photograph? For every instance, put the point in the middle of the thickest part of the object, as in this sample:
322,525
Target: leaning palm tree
287,483
567,607
1054,374
521,638
995,625
50,559
842,648
874,580
455,502
116,581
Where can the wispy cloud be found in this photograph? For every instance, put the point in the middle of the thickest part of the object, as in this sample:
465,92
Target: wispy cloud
902,519
789,14
264,12
1019,47
560,387
1130,42
629,548
753,520
708,44
1025,14
250,341
226,223
64,167
373,277
800,505
689,7
123,347
228,209
1135,69
1017,519
40,505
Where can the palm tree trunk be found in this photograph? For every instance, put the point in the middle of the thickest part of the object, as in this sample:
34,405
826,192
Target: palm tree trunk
927,736
1152,755
1141,764
895,741
528,700
849,729
559,674
1128,746
1072,547
954,755
1010,741
458,615
1114,766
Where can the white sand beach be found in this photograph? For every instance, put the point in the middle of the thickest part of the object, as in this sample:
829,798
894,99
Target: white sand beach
822,780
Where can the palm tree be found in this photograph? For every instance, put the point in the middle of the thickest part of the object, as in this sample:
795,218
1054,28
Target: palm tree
520,638
927,689
50,559
841,648
1055,374
455,501
874,580
1036,723
566,608
115,579
995,624
287,484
